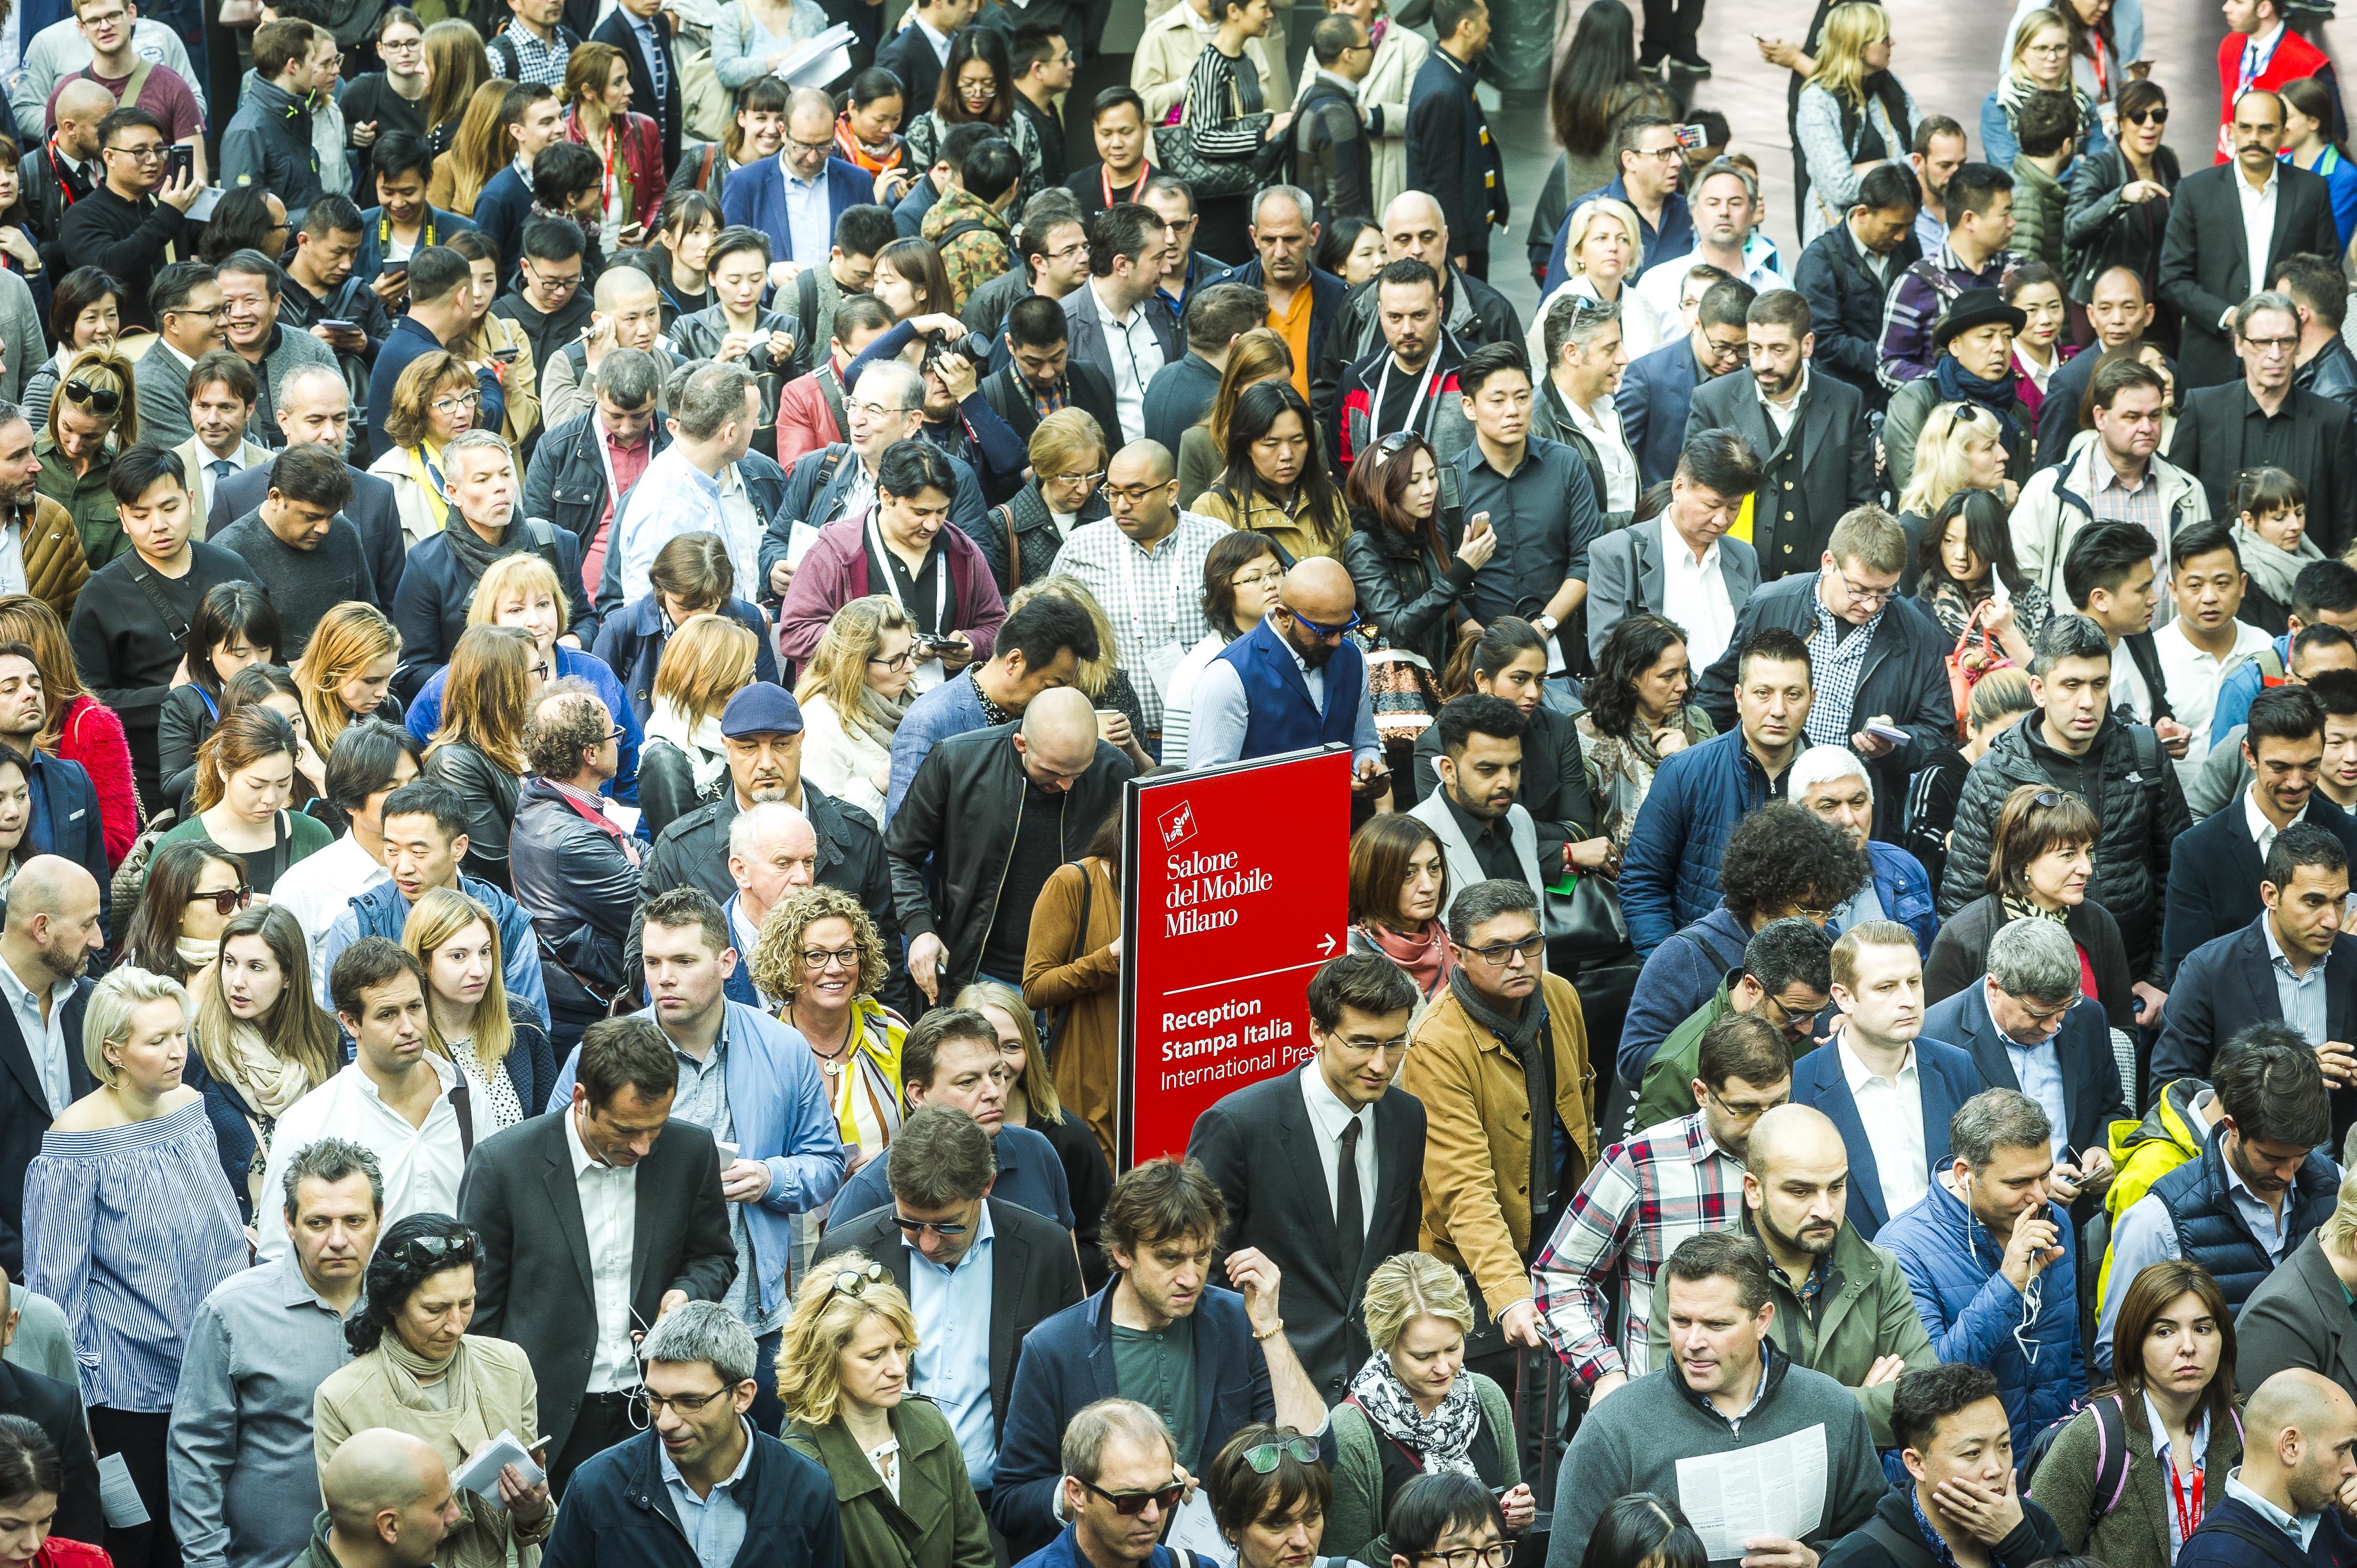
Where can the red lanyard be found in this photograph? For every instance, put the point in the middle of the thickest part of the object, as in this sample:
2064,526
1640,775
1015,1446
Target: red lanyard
2188,1510
65,185
1104,177
2101,75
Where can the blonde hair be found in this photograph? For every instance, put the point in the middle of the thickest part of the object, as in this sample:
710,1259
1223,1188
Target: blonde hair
522,573
440,914
776,956
1035,1080
425,378
479,150
837,669
1584,217
486,701
106,1016
810,1357
103,369
1067,436
1851,29
1940,463
2027,29
1408,1286
348,638
1095,674
2341,1225
706,661
1259,355
457,64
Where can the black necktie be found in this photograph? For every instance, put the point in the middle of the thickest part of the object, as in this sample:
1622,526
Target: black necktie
1350,1208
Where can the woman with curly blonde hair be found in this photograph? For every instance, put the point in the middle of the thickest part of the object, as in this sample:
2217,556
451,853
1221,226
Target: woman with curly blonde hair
707,662
1101,679
434,402
494,1040
854,693
346,671
479,750
819,954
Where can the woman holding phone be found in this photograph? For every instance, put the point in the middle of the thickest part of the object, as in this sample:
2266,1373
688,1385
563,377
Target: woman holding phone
629,146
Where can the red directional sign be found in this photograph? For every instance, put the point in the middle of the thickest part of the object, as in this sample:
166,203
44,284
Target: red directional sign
1238,888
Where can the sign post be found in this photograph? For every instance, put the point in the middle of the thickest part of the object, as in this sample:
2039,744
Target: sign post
1238,882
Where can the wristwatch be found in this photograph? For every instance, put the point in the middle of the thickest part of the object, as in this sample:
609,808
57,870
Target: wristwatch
1545,623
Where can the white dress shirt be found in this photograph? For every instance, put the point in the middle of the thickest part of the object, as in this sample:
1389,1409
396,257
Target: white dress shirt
2192,677
421,1164
1329,1117
45,1040
609,1215
2258,220
1781,414
12,559
1133,354
1694,595
2263,831
322,886
1891,1111
1601,425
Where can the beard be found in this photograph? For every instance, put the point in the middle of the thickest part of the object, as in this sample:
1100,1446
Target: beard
1815,1249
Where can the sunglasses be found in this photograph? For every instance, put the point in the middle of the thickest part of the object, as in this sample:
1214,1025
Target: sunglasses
854,1283
1264,1458
2149,117
106,400
224,900
1129,1505
1324,632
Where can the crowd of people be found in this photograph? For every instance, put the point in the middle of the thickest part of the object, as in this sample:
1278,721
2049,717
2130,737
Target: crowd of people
581,591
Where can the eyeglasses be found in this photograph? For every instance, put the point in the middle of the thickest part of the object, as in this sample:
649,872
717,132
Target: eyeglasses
1264,1458
549,281
1749,1110
644,1407
224,900
1497,1555
1093,480
2051,51
1865,596
457,401
617,734
1668,155
2149,117
398,46
147,153
102,400
1136,494
2272,345
918,1226
211,313
1503,953
1324,632
1255,579
798,144
873,410
898,661
1129,1505
815,959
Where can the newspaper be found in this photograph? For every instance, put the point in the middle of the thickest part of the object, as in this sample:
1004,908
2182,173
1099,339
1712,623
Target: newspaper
1773,1491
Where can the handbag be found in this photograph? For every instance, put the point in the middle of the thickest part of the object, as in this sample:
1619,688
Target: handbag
1967,664
1584,920
1404,696
1214,176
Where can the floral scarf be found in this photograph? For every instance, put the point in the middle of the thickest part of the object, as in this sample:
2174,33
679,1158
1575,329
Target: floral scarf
1443,1441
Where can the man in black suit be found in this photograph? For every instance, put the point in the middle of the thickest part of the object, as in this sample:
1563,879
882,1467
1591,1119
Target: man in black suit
1846,275
972,1267
53,928
1658,389
651,1186
2206,264
56,1408
315,408
1809,430
642,30
1321,1168
2214,870
2264,421
2236,980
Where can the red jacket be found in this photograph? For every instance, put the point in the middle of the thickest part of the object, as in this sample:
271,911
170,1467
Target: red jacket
92,736
2294,58
805,420
641,146
835,573
60,1553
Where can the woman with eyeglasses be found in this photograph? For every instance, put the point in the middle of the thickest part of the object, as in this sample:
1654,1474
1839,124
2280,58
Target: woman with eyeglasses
77,726
976,88
1032,1101
854,693
129,1223
234,627
1276,481
1068,455
1508,659
1269,1495
2171,1409
707,662
2118,211
1071,972
86,312
899,1478
1399,884
189,895
1414,1410
495,1041
477,750
2039,62
1241,577
435,402
346,671
1638,714
245,777
262,1041
388,102
417,1370
1257,356
1965,572
94,416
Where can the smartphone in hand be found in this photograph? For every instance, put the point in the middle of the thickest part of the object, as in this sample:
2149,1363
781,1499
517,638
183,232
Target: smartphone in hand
179,164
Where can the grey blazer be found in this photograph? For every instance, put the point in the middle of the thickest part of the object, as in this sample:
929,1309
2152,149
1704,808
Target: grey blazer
1088,334
1624,576
2297,1317
1836,460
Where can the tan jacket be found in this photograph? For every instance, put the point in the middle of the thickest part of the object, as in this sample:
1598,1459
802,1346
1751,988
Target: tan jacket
1297,533
1070,967
359,1395
56,566
1477,1147
1165,57
519,383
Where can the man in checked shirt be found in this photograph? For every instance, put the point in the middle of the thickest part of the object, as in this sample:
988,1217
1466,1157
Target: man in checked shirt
1646,1196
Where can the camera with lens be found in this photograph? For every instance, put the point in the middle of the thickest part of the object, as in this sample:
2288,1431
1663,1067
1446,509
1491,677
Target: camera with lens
973,347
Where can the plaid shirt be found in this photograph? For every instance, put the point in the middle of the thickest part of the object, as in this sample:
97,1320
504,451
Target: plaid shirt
1643,1197
539,63
1921,296
1154,601
1836,660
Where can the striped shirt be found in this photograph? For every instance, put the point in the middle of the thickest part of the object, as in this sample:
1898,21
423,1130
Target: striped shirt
1154,599
1221,94
129,1228
1642,1198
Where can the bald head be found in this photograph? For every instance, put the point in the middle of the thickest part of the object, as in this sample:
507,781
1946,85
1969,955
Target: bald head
1143,463
53,920
47,885
1059,738
620,287
84,103
1319,587
2295,1397
2300,1430
1416,229
1793,1136
388,1497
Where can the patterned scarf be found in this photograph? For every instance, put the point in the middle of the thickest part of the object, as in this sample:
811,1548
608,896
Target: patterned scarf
2026,909
1442,1442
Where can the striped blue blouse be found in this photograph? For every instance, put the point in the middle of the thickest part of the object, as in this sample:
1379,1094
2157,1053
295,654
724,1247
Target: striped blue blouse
129,1228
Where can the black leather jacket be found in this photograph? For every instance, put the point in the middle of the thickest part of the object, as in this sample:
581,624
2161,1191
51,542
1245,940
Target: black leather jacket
2331,374
578,886
1404,591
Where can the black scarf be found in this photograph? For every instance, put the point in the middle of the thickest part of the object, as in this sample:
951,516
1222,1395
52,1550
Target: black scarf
1526,1038
475,556
1958,384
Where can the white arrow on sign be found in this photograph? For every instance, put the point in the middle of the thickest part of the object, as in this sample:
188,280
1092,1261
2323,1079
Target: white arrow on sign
1327,946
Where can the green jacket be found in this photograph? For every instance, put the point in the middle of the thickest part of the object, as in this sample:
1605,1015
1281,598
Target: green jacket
2039,200
1354,1519
2135,1533
1666,1092
936,1523
318,1556
86,498
1866,1311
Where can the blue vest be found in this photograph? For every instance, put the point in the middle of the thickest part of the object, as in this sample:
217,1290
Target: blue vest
1278,714
2209,1231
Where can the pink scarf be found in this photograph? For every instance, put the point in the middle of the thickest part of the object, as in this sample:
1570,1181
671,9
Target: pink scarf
1422,953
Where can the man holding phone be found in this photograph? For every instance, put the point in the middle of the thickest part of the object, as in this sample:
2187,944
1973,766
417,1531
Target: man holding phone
127,225
117,65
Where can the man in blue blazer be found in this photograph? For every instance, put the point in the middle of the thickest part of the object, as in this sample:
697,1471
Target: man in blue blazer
1877,1060
1657,390
1244,1369
2214,867
46,943
757,196
2292,965
2027,1026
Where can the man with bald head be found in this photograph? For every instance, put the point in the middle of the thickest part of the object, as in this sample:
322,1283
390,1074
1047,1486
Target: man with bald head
987,817
68,168
630,313
1144,564
1295,680
390,1504
53,927
2295,1493
772,854
1414,229
1843,1305
2120,311
315,409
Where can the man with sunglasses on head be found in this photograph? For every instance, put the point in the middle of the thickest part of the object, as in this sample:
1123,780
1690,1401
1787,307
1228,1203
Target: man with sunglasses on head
718,1484
133,221
1294,681
752,1083
981,1269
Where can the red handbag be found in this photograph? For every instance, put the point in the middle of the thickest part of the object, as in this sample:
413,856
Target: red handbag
1967,664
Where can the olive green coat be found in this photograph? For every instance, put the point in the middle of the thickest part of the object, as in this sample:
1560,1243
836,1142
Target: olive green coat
2135,1533
936,1523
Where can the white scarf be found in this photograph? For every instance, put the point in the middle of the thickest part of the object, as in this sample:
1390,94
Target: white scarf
702,743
